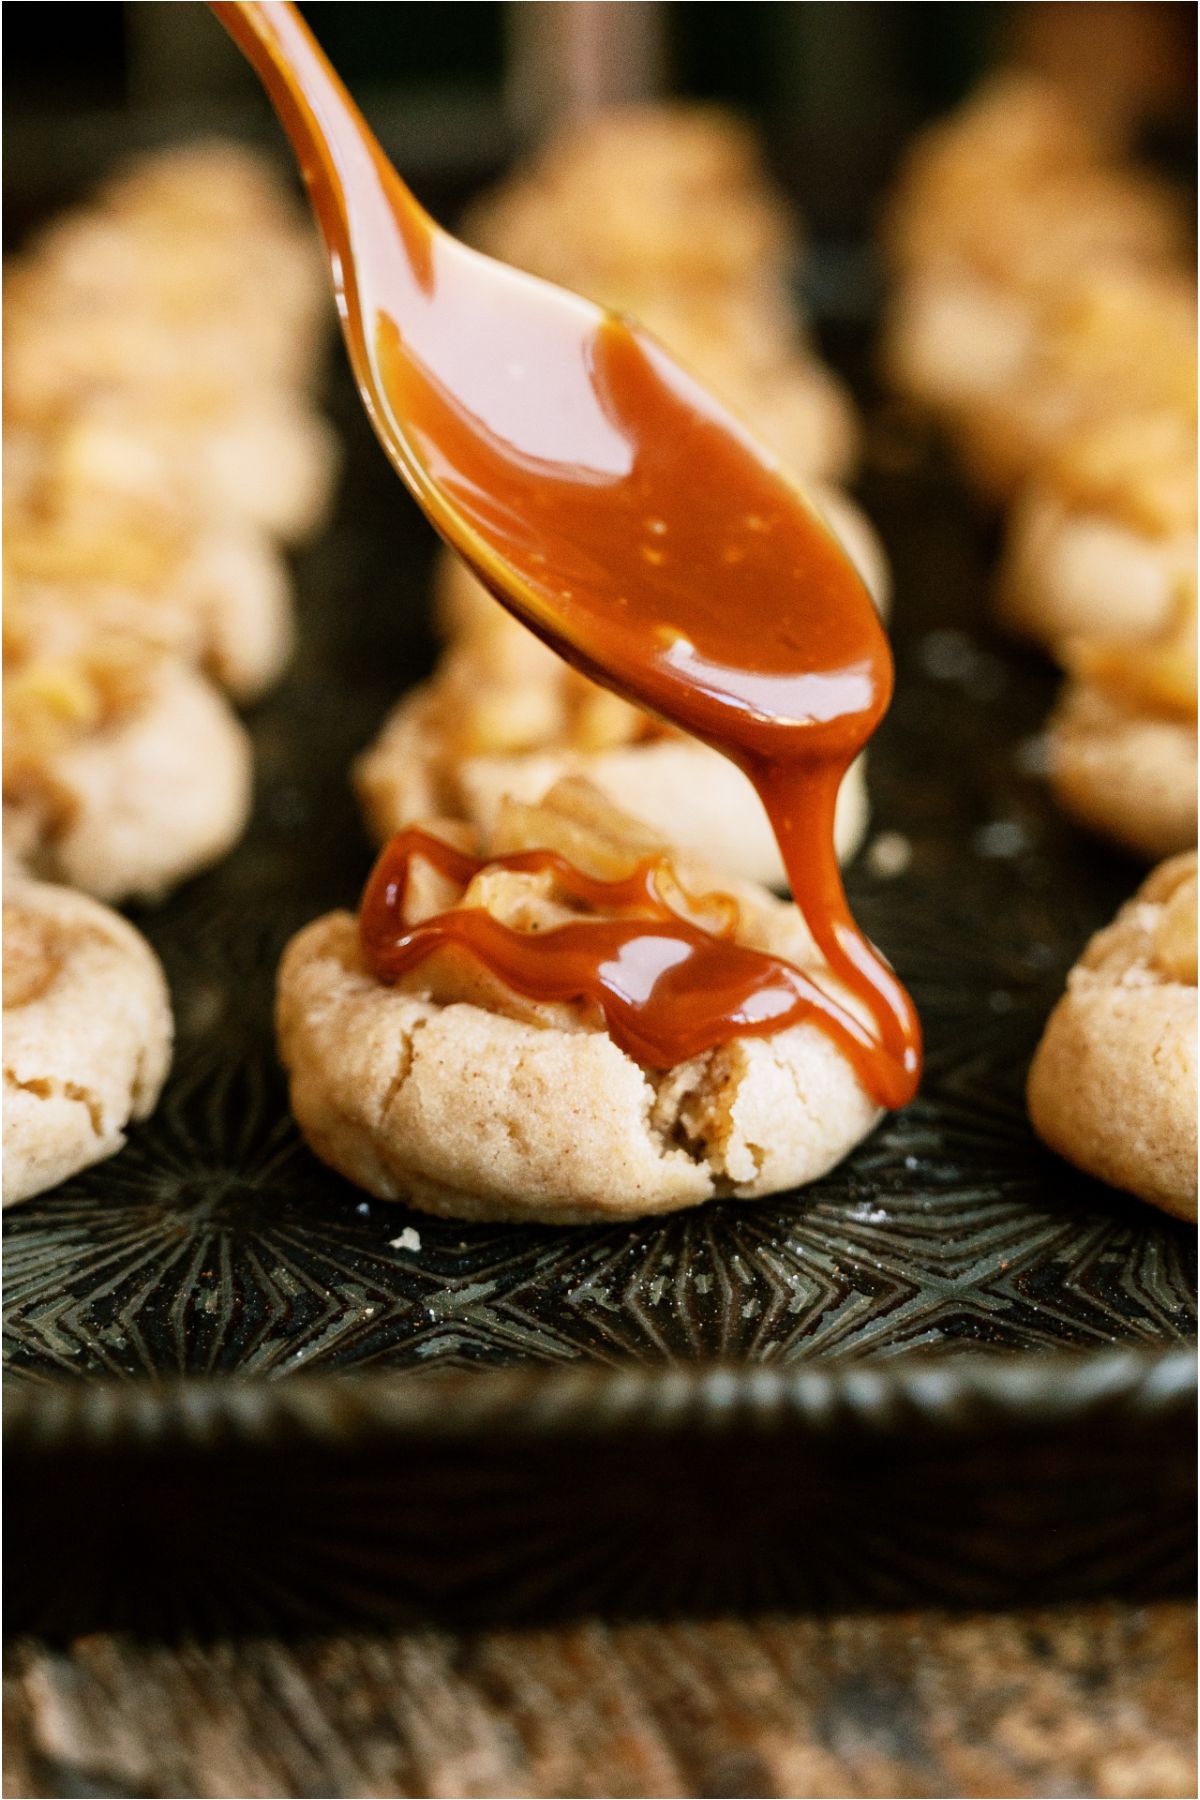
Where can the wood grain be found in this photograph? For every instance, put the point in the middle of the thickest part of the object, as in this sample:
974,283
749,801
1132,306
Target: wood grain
1095,1701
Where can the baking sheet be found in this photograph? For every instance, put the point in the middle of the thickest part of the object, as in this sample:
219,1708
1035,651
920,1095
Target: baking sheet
216,1247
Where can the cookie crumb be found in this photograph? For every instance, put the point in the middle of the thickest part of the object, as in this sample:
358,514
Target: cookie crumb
408,1240
866,1214
889,854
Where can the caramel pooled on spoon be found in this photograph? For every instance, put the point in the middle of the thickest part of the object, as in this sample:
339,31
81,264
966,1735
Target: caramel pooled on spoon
604,497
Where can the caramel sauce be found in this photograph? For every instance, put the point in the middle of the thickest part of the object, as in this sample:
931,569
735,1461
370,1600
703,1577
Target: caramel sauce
627,518
668,990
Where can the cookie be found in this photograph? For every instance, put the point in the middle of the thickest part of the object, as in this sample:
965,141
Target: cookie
465,1100
1113,345
1122,741
216,595
216,191
952,339
417,768
153,287
678,191
259,457
1014,133
997,208
1101,537
1126,774
124,772
87,1034
1113,1083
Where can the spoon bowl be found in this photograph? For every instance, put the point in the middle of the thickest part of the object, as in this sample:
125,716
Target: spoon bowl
565,455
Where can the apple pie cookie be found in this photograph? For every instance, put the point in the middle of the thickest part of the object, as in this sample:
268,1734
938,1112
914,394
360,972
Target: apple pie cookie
259,458
87,1034
1103,535
448,1088
124,770
214,594
1115,345
1113,1083
997,208
1122,741
189,273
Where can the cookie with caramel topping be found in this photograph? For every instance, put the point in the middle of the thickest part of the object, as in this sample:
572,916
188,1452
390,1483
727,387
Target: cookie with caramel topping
1113,1084
465,1098
87,1034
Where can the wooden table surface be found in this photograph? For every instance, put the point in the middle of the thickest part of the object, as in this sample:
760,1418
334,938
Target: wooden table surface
1095,1701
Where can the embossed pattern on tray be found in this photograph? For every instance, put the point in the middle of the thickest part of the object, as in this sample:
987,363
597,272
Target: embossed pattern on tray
216,1243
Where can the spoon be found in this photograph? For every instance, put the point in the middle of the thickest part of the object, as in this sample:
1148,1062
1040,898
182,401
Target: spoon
603,496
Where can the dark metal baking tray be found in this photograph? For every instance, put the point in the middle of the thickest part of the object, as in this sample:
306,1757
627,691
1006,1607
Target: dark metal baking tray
954,1368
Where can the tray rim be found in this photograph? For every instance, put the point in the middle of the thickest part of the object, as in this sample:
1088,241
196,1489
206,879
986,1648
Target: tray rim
907,1398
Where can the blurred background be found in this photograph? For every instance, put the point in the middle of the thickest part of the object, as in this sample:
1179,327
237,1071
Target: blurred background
453,90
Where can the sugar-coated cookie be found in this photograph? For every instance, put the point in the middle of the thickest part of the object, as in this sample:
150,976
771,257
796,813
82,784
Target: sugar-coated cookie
1113,1084
87,1034
455,1094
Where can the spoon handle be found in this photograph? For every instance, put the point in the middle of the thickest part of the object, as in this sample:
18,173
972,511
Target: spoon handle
378,237
313,105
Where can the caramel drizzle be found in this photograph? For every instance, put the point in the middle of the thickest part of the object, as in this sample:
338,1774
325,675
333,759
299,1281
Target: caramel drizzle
668,990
